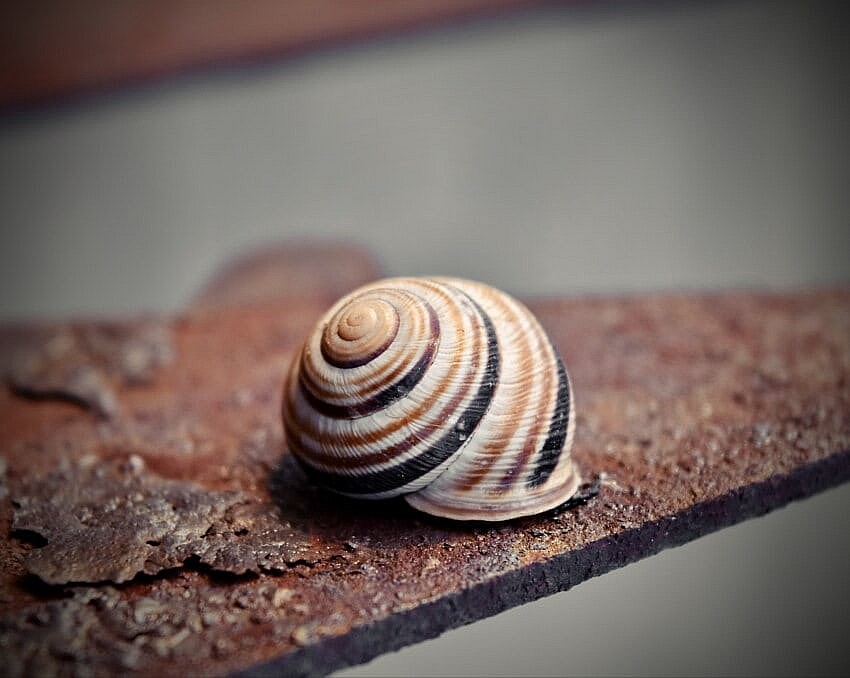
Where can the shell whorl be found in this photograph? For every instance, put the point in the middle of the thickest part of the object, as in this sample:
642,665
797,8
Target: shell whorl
440,389
359,332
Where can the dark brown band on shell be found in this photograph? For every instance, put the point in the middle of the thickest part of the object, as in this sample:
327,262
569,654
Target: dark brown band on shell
547,458
383,452
392,393
404,473
343,339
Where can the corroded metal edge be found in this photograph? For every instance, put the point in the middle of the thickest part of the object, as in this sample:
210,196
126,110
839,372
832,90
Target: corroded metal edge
557,574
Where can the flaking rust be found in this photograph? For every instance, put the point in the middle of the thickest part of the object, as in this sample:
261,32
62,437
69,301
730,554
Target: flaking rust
83,364
177,535
109,522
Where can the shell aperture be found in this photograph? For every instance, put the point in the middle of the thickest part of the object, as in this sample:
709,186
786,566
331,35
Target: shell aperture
443,390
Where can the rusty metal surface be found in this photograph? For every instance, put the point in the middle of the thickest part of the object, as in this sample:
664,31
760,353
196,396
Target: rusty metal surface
174,534
81,363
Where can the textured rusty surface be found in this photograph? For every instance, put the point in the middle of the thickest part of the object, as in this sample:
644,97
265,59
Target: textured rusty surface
81,363
174,534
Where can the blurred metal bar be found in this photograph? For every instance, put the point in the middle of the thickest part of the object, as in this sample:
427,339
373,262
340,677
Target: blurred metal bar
68,48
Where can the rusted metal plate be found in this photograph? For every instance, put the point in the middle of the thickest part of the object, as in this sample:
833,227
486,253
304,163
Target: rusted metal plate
173,533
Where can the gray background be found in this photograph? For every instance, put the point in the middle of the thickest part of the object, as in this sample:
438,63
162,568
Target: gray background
589,149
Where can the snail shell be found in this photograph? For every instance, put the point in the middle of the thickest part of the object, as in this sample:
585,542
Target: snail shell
443,390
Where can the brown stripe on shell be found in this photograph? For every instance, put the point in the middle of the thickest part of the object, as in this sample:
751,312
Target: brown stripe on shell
413,471
499,442
323,390
398,388
387,454
337,350
532,440
457,320
559,436
384,455
551,498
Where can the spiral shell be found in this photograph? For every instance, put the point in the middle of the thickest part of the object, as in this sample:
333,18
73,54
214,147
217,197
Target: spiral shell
443,390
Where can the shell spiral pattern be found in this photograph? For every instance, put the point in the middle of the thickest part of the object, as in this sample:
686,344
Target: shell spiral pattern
443,390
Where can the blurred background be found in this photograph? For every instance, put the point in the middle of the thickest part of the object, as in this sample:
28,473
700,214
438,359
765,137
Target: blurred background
546,148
